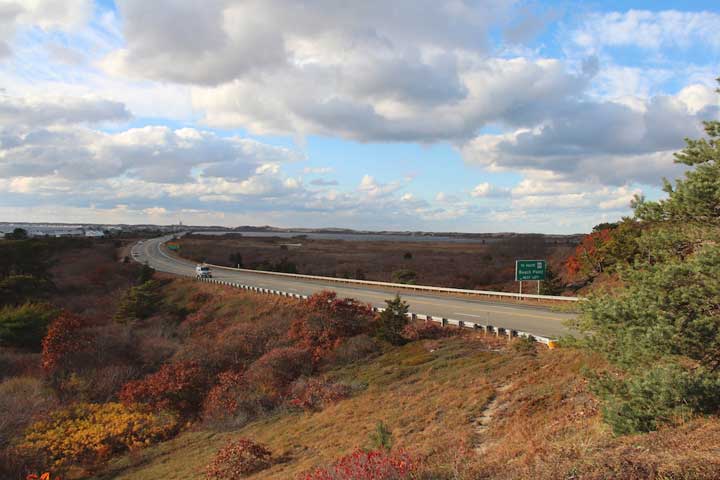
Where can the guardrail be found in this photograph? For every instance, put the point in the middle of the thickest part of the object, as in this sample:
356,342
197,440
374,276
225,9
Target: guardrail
488,329
488,293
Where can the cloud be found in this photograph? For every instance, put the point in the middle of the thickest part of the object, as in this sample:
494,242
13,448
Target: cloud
608,141
321,182
43,111
648,30
481,190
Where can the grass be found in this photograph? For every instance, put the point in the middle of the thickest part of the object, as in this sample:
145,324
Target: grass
545,423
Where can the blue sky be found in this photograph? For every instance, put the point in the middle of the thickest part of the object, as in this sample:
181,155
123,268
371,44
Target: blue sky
475,116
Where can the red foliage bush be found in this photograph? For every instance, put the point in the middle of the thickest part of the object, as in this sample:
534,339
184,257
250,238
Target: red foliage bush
426,331
176,386
373,465
64,338
589,256
223,399
239,459
314,393
326,320
272,374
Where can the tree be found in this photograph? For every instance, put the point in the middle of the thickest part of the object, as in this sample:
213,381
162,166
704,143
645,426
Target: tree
552,284
236,259
146,273
17,234
25,326
392,321
661,329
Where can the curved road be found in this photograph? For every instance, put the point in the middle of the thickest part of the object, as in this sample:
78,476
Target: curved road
532,319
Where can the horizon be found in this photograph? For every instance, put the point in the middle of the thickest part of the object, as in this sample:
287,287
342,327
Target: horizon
495,116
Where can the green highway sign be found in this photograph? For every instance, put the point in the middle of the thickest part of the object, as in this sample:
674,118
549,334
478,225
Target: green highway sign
530,270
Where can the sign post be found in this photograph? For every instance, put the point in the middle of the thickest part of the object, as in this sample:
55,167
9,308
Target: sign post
530,270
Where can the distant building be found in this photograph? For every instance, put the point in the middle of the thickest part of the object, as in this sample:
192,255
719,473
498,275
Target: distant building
94,233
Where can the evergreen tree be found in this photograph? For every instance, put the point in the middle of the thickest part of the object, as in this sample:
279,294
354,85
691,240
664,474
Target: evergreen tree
661,329
392,321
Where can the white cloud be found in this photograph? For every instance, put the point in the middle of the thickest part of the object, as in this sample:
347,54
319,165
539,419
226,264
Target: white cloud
648,30
481,190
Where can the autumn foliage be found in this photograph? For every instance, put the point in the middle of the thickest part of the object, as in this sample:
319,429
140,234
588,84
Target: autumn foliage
315,393
327,320
176,386
87,433
64,339
239,459
372,465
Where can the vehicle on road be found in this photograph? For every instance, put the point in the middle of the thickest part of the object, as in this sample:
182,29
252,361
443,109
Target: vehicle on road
203,271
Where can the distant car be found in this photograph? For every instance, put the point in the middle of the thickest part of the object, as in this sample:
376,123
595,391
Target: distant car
203,271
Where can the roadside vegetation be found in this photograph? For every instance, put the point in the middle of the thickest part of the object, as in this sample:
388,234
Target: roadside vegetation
111,371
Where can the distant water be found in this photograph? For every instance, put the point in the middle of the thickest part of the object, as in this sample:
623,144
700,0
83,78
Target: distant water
358,237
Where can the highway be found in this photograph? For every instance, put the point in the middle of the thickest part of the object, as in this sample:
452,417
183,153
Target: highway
528,318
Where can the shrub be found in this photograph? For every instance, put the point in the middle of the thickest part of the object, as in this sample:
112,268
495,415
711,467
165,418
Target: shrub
326,321
25,326
355,349
314,393
64,338
664,394
392,321
381,438
404,276
88,434
17,289
238,459
273,373
176,386
372,465
426,331
146,274
139,303
21,400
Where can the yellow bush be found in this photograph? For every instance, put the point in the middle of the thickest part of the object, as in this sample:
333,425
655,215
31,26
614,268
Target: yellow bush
88,433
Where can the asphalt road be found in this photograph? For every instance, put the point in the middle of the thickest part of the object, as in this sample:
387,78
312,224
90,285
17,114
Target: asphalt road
528,318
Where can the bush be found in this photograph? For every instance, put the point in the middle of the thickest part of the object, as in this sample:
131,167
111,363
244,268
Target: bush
426,331
273,373
139,303
239,459
22,399
326,321
355,349
25,326
404,276
314,394
662,395
372,465
17,289
88,434
392,321
64,339
176,386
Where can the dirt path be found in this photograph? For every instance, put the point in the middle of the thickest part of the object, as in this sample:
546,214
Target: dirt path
482,423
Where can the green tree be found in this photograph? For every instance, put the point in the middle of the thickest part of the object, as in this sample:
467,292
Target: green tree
381,438
146,273
17,234
236,260
552,285
139,302
661,328
26,325
392,321
404,276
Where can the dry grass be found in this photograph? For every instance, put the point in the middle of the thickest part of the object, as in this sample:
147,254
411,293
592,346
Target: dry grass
447,264
545,424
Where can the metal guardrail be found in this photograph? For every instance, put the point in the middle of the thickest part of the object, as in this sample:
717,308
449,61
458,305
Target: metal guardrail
488,329
489,293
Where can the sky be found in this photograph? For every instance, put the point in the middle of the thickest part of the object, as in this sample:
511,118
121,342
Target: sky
468,116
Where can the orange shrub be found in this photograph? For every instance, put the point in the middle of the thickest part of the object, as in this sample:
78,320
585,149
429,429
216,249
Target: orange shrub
87,433
63,340
176,386
326,320
239,459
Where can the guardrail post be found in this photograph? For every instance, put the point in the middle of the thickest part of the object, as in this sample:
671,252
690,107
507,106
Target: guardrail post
461,324
511,333
444,321
428,318
499,331
413,316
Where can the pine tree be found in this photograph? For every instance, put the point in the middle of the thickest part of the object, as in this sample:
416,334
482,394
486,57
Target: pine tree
392,321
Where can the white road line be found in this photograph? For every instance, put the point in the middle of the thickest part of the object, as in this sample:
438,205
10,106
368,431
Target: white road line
472,315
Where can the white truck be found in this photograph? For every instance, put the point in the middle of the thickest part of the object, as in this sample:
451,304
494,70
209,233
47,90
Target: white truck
203,271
